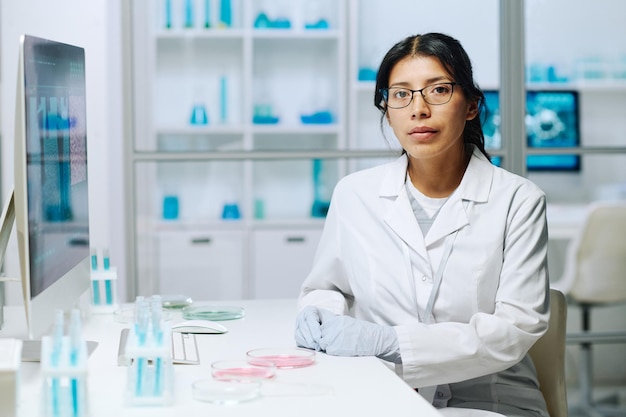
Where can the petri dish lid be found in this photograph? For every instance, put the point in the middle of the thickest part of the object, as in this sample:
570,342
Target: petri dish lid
213,313
282,357
175,301
226,392
241,370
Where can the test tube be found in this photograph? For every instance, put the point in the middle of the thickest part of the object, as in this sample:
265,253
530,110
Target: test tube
94,259
57,345
75,335
106,263
156,307
141,325
95,289
108,284
57,336
95,284
75,342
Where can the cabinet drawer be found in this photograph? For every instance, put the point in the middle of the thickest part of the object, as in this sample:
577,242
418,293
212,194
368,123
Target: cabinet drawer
203,265
281,261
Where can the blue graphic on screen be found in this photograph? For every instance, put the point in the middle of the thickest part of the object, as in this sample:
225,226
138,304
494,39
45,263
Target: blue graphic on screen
551,122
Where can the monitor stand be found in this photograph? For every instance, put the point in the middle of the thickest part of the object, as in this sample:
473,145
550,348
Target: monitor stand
7,219
31,349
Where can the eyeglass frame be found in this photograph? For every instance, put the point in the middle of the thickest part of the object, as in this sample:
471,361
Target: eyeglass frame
385,94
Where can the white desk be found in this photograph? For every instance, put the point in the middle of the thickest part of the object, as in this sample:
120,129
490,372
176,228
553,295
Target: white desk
359,386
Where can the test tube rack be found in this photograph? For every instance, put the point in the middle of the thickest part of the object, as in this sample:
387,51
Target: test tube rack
64,371
150,379
103,284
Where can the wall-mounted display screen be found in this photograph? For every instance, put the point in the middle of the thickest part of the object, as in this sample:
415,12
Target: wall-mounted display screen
552,121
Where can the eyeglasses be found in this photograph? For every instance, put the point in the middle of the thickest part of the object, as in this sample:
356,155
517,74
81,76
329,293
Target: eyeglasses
398,98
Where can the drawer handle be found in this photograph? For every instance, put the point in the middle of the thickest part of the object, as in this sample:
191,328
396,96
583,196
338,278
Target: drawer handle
296,239
201,241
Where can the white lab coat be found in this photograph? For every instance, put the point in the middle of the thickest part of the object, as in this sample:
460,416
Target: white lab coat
374,263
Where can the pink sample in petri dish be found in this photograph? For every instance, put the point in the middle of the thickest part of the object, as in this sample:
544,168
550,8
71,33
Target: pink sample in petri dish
239,370
282,357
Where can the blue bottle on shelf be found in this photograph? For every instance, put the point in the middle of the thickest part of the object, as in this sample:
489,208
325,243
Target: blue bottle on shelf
207,14
198,115
188,13
168,14
226,16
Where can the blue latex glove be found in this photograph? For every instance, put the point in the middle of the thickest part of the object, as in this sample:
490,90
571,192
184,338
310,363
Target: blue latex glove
308,332
347,336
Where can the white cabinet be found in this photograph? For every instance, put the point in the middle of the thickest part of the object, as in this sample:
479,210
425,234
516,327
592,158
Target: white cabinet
206,265
281,260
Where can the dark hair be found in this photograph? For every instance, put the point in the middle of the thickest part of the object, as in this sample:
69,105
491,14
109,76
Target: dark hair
456,62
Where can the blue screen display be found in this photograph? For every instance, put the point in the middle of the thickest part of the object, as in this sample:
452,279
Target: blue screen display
551,121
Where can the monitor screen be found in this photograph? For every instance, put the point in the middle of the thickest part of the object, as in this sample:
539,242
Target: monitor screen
552,120
51,193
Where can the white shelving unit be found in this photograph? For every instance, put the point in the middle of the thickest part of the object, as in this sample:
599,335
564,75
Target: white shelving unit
243,181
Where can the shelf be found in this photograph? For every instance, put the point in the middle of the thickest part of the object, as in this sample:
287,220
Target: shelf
294,129
600,85
296,34
199,226
200,33
316,223
201,130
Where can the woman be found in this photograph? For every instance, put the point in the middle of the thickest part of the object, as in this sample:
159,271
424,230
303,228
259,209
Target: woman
435,262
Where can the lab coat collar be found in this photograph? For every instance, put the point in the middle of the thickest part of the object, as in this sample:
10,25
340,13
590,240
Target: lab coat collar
475,185
474,188
478,178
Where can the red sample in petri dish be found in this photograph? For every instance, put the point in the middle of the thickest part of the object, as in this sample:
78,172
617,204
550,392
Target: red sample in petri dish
239,370
281,357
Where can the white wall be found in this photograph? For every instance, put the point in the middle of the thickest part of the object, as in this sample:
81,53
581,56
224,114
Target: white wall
95,26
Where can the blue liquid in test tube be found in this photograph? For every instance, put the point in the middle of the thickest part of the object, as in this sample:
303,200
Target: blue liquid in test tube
108,285
94,260
75,342
106,260
95,289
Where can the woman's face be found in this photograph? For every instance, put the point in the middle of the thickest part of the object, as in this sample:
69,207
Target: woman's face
425,130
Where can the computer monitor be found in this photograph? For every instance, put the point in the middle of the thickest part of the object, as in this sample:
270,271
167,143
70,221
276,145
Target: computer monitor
49,204
552,121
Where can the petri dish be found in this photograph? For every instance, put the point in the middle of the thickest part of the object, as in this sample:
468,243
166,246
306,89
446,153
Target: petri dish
213,313
175,301
241,370
226,392
282,357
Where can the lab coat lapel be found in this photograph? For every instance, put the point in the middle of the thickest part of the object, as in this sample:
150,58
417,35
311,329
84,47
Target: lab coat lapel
451,218
398,214
401,220
474,188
